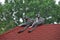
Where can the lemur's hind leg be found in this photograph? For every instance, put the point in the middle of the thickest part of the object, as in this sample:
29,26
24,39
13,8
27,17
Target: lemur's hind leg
33,28
23,29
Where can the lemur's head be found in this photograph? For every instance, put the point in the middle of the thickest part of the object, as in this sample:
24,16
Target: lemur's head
38,15
26,18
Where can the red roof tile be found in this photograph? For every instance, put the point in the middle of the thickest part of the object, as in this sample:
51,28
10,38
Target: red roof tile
44,32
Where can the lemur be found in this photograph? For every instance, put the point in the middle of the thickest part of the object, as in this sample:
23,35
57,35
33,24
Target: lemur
26,24
38,21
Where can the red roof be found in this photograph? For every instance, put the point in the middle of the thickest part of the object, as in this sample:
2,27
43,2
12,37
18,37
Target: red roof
44,32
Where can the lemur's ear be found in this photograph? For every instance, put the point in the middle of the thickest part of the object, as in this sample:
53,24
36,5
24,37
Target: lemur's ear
37,15
25,17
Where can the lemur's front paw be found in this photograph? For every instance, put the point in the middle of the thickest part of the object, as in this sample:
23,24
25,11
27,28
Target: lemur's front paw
20,31
29,31
30,27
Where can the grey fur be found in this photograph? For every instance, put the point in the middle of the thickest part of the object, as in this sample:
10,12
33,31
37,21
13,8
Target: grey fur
38,21
27,24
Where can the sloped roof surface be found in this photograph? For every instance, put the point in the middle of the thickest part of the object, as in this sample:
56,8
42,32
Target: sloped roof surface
44,32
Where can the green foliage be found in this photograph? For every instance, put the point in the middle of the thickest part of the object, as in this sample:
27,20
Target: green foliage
16,8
